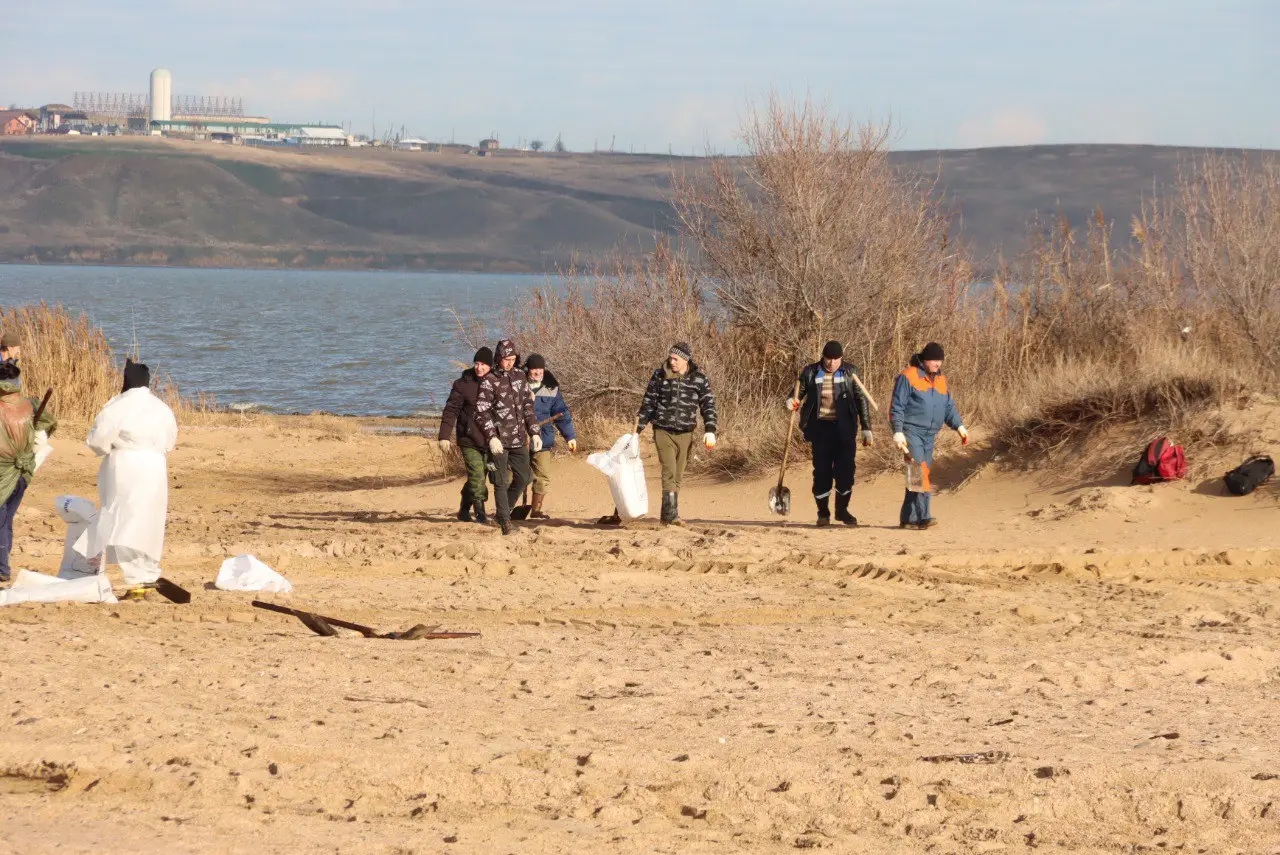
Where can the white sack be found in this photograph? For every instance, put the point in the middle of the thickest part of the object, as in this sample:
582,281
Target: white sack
134,432
31,587
246,573
77,513
621,464
42,448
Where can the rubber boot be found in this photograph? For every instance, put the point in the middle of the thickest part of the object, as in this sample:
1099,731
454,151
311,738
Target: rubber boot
464,509
481,516
668,508
535,507
824,510
675,510
842,511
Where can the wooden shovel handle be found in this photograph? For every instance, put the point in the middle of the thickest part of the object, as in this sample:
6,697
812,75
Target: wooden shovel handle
44,402
786,449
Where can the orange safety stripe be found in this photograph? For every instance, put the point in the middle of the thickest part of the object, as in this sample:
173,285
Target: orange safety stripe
921,383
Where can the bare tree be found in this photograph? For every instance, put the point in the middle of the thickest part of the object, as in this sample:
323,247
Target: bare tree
559,145
536,145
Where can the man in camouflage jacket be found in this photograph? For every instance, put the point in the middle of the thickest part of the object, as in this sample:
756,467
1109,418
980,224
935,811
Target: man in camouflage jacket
504,412
678,391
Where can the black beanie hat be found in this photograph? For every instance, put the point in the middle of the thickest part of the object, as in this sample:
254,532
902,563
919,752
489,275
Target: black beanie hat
536,360
832,350
682,349
931,351
484,355
136,375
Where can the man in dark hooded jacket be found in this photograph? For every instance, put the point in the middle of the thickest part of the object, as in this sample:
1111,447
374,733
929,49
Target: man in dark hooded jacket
548,404
504,410
460,418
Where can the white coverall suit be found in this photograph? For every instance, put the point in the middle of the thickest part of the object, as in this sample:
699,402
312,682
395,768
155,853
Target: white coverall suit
133,433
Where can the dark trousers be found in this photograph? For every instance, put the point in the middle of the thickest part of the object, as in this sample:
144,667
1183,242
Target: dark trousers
508,482
835,459
7,512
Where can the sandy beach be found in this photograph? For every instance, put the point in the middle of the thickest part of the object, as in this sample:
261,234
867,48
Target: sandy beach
1106,657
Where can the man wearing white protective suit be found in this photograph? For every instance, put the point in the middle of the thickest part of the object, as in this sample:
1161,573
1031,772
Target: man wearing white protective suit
133,433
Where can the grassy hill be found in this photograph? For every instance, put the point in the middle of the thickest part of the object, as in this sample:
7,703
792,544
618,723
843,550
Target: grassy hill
150,201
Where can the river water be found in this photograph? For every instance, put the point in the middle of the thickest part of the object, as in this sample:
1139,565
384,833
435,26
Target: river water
366,343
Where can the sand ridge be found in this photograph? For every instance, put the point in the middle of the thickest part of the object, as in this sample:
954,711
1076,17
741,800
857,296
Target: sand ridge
1101,676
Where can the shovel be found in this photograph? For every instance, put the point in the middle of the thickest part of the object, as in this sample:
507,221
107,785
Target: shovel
521,511
780,496
321,625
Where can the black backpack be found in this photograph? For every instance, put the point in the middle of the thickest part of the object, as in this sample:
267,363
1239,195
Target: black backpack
1248,476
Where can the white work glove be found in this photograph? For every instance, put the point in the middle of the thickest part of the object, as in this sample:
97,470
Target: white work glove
792,405
573,446
495,446
964,434
709,440
867,439
535,442
445,445
900,440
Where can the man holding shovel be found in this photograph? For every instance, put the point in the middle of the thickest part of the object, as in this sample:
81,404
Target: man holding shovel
20,419
553,415
922,404
832,409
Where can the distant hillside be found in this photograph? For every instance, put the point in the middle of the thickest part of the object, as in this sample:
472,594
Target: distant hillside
146,201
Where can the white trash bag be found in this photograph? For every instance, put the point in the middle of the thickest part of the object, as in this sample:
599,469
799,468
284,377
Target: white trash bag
32,587
246,573
42,448
625,471
78,514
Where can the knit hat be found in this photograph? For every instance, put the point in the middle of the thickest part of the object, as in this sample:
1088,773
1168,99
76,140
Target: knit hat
10,339
682,350
484,355
505,348
536,360
931,351
832,350
136,375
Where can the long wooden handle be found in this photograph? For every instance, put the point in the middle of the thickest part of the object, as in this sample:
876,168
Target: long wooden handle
791,424
285,610
35,420
872,400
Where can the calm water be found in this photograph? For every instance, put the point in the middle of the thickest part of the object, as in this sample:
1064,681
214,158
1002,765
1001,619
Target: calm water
287,341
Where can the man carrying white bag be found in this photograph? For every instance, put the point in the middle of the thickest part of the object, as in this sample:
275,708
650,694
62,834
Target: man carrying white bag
621,464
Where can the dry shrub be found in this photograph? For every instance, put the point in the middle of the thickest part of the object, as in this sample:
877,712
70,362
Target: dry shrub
68,354
812,235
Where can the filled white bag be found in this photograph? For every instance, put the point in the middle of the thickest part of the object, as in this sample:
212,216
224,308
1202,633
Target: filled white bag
42,448
32,587
246,573
78,514
621,464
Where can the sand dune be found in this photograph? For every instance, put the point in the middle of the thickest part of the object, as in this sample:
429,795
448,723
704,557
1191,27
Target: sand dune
1092,669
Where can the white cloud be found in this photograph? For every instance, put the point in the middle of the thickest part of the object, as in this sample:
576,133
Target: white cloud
1008,127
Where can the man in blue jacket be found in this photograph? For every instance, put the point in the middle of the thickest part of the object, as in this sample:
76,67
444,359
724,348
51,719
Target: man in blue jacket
922,404
547,404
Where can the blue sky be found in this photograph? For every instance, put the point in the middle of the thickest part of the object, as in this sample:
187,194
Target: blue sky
681,74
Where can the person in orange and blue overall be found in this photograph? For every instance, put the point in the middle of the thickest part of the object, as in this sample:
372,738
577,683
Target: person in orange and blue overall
922,404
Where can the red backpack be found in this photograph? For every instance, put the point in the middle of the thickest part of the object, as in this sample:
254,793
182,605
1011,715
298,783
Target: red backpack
1162,461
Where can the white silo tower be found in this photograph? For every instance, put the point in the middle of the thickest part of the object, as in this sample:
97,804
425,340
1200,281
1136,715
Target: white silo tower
161,95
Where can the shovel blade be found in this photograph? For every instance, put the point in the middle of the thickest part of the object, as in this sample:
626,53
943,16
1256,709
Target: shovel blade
780,500
521,512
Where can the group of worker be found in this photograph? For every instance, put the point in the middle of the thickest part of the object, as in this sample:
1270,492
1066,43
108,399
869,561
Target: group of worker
504,416
133,434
